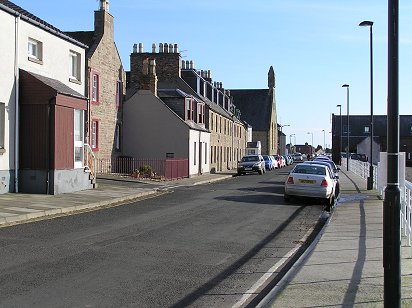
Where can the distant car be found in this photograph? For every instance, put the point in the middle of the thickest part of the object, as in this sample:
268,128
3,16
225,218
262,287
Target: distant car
275,162
268,162
297,157
313,181
360,157
289,159
250,164
281,161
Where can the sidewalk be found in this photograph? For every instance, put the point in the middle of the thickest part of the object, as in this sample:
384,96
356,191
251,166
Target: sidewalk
19,208
344,267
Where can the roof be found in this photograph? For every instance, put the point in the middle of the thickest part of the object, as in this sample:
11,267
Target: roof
57,85
86,37
256,107
29,17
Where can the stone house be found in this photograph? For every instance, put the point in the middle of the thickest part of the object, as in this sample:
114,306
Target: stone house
227,133
105,85
258,108
161,121
42,106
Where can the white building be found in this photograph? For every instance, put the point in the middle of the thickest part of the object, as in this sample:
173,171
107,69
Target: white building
56,62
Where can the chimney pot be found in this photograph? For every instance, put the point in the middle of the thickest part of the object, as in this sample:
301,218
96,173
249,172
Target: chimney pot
134,48
153,48
187,64
160,47
209,74
140,48
176,48
192,64
183,64
166,47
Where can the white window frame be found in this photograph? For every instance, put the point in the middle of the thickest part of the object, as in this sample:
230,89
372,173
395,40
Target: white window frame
74,65
78,138
95,87
94,135
34,49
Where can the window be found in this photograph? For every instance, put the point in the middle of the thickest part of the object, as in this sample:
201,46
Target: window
2,125
200,113
78,138
117,138
189,109
194,154
119,93
35,50
366,129
74,68
95,88
94,140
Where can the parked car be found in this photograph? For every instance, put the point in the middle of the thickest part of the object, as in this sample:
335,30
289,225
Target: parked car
250,164
333,168
313,181
281,161
275,162
360,157
289,160
268,162
297,156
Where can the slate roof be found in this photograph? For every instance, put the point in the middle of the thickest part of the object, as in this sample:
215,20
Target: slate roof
29,17
57,85
255,105
86,37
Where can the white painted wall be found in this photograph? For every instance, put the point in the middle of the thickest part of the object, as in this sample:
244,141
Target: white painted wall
7,89
201,141
56,58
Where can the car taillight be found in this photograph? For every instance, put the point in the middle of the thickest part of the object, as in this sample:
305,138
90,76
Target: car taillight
290,180
324,183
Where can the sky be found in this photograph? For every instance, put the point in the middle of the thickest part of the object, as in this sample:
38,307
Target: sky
314,46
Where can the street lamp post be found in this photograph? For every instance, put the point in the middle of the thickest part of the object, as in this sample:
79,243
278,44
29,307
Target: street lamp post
311,146
392,197
282,146
347,119
290,141
340,135
370,178
324,147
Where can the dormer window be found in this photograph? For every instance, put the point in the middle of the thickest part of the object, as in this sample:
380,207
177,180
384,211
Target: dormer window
200,113
189,109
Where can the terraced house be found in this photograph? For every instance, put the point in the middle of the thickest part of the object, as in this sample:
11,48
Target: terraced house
42,106
105,85
220,137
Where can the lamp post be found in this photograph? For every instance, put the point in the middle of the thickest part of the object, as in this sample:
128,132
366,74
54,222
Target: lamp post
370,178
392,196
347,118
340,135
290,141
311,146
282,146
324,147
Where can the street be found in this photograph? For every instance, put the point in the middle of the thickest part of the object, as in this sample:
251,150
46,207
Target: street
198,246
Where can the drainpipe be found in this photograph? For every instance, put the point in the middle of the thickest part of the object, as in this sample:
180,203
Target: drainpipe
16,104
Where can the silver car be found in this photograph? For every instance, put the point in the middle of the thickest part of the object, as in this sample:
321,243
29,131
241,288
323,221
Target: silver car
251,163
313,181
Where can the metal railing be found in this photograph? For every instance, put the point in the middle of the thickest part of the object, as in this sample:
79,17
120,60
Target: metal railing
161,169
406,214
362,169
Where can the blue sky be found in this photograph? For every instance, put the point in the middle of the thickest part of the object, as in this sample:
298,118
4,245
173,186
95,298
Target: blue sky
314,46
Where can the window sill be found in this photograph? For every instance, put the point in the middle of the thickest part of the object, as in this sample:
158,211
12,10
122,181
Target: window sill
35,60
74,80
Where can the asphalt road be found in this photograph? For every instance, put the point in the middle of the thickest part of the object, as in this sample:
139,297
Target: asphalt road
199,246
